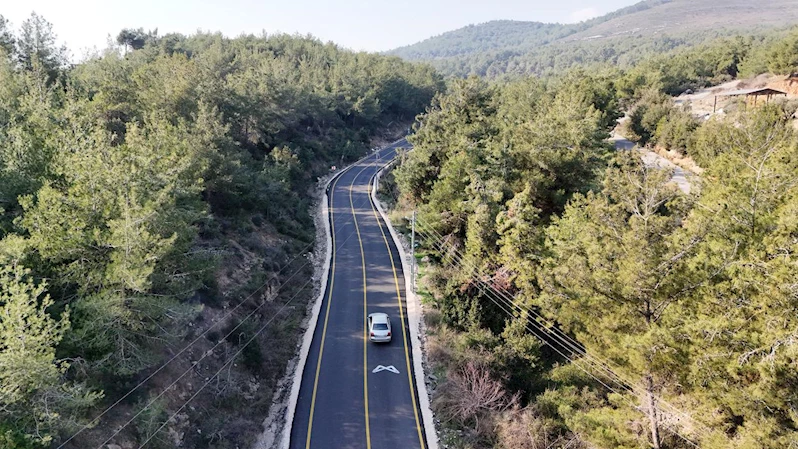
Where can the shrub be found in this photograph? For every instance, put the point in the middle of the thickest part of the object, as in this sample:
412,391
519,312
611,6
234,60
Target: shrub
471,396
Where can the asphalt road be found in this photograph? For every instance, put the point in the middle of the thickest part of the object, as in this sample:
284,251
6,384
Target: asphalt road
343,403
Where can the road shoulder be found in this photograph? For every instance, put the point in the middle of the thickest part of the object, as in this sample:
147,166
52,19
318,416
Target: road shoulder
414,318
279,422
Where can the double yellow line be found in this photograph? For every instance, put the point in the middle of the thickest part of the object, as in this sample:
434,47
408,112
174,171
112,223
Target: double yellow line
365,314
401,317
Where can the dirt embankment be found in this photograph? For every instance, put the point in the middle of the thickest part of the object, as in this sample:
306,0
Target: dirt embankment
703,102
260,292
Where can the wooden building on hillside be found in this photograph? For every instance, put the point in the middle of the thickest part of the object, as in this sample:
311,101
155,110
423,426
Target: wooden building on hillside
752,96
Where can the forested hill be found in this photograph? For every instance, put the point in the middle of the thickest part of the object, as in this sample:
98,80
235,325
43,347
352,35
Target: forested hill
490,36
599,305
507,35
155,216
622,37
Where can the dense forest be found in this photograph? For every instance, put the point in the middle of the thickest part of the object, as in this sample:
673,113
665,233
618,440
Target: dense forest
577,298
156,231
507,35
623,53
624,38
146,192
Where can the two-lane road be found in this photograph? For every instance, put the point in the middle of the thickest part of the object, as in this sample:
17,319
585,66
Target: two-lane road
343,403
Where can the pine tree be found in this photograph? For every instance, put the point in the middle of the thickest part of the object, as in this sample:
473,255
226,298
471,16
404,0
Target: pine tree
35,398
615,279
745,317
37,45
7,40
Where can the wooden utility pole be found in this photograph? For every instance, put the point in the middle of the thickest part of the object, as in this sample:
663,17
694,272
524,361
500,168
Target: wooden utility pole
413,253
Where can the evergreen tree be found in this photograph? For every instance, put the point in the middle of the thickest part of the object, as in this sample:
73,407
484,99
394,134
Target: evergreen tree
7,40
747,313
134,39
34,397
36,44
124,183
615,277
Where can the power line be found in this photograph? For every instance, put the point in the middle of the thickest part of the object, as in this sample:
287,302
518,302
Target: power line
229,361
504,303
576,348
209,380
193,365
119,430
179,353
563,338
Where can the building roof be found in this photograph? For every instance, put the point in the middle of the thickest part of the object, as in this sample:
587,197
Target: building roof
758,91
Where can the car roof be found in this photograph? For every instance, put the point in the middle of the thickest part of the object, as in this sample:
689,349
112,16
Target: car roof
379,317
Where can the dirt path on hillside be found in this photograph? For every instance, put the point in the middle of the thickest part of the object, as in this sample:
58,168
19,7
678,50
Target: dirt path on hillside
651,159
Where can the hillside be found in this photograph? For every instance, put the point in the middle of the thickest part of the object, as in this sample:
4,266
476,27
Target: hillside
678,17
495,35
507,35
603,307
622,37
155,220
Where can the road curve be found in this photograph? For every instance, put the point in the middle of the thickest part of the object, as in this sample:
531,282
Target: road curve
343,403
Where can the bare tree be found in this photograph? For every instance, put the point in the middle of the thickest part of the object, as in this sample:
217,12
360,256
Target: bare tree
471,395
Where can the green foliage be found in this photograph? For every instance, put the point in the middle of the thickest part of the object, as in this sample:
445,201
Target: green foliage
495,35
511,155
782,56
749,222
690,299
678,71
616,272
135,39
676,130
689,45
124,178
491,165
10,439
34,399
148,425
36,46
28,358
251,354
646,115
7,39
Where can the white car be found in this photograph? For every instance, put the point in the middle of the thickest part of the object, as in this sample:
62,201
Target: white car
379,328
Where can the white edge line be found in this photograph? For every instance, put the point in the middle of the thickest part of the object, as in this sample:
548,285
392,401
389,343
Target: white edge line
414,320
307,339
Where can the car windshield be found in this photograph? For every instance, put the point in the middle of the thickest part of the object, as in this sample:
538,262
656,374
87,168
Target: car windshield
380,327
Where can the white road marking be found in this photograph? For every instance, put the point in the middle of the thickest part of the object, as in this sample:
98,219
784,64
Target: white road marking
390,368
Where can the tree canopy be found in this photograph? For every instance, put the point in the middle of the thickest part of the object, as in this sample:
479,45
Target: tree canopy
128,179
688,298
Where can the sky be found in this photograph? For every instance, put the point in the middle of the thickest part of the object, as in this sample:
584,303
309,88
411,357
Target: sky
357,24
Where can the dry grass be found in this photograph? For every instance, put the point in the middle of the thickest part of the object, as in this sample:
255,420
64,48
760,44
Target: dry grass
524,429
683,161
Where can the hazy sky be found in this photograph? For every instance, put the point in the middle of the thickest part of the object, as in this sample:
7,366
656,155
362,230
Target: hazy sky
357,24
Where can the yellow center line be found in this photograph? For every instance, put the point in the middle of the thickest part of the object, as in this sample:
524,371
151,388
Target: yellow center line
365,316
402,318
327,311
326,315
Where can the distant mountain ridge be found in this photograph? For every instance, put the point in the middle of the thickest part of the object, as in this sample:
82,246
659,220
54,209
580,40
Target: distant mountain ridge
507,35
494,35
506,46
